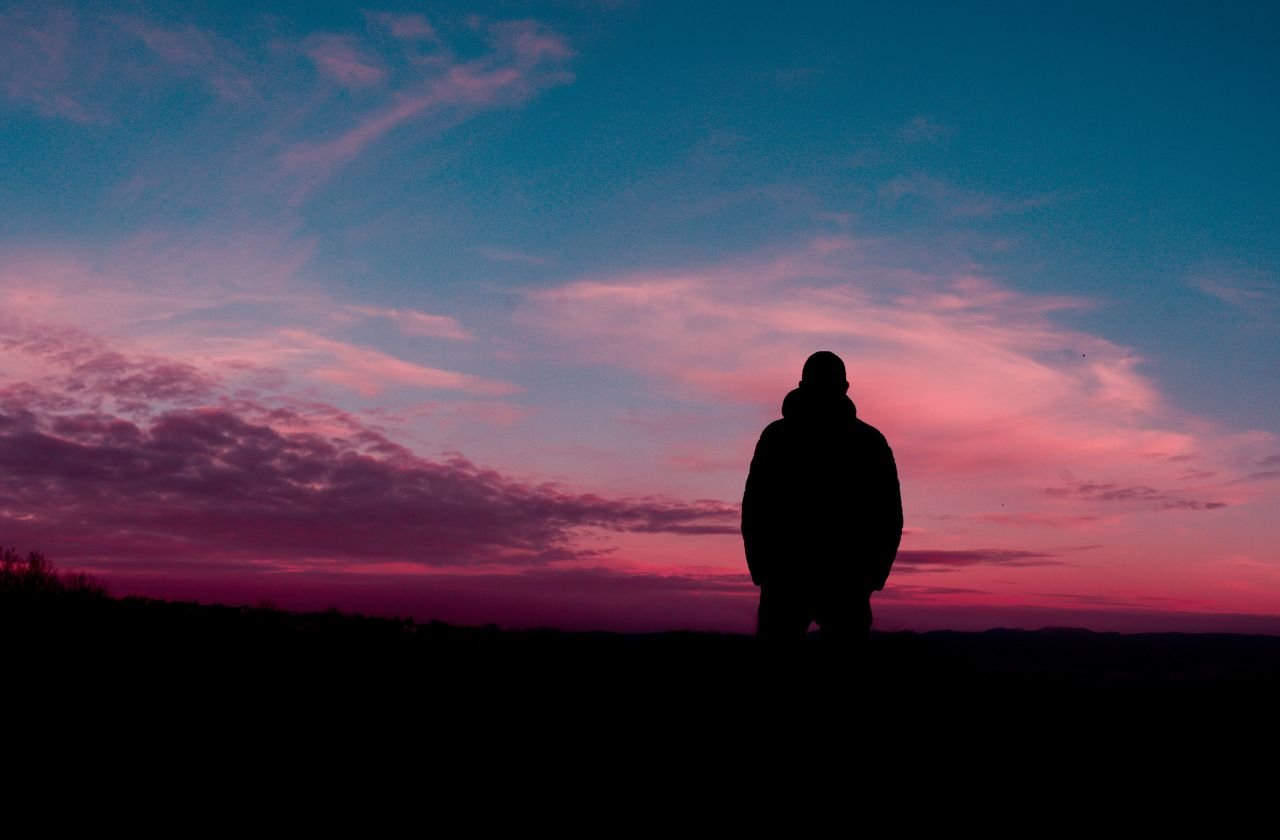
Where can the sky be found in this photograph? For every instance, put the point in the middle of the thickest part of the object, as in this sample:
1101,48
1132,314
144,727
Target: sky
475,312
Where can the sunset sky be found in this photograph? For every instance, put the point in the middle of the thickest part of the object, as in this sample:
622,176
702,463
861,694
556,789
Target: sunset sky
476,311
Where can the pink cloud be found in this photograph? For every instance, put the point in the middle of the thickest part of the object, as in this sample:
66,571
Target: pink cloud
1136,495
529,41
142,467
1249,294
252,487
459,86
165,291
78,64
524,60
970,375
339,58
908,559
451,415
501,255
170,303
407,27
41,63
413,322
50,62
985,396
369,371
77,367
194,52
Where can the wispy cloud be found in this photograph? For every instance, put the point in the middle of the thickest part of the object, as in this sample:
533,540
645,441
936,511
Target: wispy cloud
1136,495
1250,295
215,327
413,322
1038,520
43,63
318,99
985,394
193,52
340,58
459,86
505,255
957,201
1264,475
524,58
976,557
921,129
369,371
1000,381
409,27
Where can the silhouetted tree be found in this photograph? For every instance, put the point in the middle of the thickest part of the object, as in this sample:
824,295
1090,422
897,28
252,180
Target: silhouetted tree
34,574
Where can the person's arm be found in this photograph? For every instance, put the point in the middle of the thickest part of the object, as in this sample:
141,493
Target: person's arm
758,508
890,516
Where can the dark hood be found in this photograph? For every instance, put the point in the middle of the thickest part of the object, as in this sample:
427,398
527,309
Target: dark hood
806,406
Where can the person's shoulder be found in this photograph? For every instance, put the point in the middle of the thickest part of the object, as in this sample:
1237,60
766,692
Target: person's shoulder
870,433
774,430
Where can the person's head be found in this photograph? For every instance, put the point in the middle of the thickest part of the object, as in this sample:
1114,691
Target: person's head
824,374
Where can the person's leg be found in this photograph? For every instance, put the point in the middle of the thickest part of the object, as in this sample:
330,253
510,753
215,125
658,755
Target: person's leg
845,621
784,615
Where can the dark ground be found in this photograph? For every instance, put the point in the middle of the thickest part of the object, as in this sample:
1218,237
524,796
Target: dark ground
255,698
136,644
209,710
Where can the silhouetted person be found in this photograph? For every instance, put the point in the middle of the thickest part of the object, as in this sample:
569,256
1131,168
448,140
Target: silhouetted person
822,512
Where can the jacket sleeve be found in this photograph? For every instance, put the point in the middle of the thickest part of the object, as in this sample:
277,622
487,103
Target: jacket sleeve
759,507
889,515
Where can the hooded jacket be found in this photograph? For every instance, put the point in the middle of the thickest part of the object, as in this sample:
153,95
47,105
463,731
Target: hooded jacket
822,505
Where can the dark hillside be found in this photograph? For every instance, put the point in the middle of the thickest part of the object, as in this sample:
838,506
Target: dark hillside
69,641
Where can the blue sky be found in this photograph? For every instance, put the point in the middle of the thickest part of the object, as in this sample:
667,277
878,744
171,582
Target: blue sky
1122,152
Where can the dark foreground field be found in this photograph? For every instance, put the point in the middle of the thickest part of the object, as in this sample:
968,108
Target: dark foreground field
254,697
238,703
206,655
